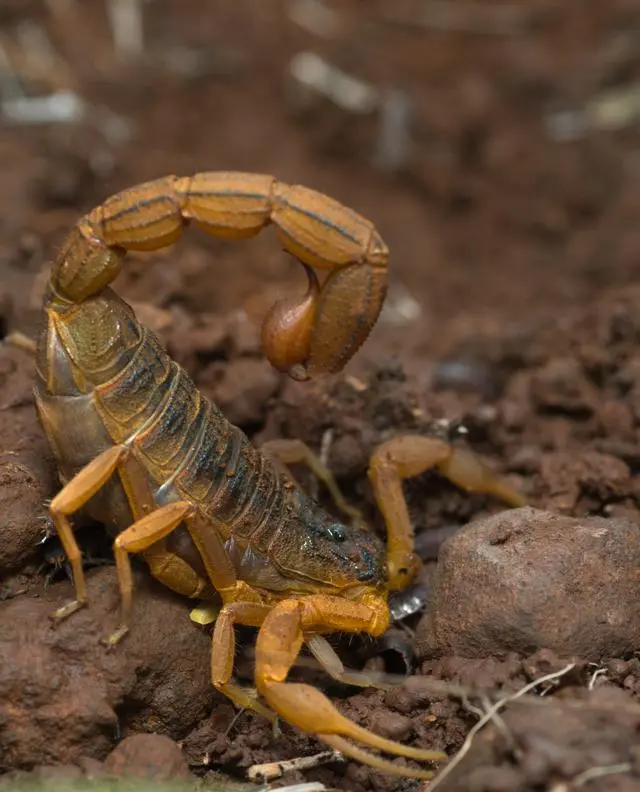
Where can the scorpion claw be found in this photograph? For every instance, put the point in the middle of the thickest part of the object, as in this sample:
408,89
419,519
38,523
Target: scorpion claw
353,752
310,710
281,636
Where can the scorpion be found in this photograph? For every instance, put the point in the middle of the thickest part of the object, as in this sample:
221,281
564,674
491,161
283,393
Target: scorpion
139,449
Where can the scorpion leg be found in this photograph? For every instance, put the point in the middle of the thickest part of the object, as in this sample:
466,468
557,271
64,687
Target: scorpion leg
328,658
72,497
144,535
137,538
292,452
249,614
165,566
21,341
280,639
405,457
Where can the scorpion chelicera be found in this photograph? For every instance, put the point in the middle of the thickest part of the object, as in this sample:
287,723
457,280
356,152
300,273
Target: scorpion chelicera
142,451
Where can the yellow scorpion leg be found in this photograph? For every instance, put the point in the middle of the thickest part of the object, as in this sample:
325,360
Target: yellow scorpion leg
292,452
405,457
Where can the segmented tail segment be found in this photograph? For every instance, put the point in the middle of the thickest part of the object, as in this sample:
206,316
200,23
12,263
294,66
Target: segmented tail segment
307,336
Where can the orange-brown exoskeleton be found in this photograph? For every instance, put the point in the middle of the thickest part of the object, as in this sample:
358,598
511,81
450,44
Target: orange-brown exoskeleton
141,450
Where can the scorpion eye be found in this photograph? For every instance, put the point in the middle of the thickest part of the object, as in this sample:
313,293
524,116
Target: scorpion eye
337,533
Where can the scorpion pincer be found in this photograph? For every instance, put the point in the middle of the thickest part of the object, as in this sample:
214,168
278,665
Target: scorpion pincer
141,450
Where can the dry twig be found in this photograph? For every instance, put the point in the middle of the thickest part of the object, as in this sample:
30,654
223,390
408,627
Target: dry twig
273,770
599,772
489,715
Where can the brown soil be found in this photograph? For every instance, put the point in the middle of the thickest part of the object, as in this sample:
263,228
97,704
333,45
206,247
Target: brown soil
513,327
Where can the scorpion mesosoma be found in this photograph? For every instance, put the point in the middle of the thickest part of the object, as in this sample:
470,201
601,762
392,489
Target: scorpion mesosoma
141,450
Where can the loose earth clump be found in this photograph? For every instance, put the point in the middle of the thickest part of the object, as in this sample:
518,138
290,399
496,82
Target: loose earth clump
512,328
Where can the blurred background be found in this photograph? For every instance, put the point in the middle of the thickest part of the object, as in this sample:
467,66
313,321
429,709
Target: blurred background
494,144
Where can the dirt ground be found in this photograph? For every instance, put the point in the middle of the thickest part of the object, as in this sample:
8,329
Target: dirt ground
499,159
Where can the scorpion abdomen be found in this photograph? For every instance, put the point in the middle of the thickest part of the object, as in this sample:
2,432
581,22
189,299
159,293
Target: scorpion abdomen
122,388
139,397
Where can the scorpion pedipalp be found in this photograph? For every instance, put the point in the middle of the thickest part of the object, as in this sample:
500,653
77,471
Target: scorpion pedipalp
279,641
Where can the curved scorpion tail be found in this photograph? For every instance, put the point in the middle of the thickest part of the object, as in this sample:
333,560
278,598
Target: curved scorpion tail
307,336
85,264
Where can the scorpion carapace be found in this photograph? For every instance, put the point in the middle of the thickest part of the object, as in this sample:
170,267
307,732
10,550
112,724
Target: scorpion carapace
139,448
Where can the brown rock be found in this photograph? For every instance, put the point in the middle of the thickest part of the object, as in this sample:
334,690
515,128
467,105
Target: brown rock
561,386
391,725
153,757
189,345
525,579
588,478
59,688
26,473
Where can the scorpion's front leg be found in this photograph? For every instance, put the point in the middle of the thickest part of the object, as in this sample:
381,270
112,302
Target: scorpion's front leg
223,647
405,457
279,642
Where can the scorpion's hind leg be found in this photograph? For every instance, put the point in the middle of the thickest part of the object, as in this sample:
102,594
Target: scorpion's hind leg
141,536
408,456
71,498
279,641
20,341
293,452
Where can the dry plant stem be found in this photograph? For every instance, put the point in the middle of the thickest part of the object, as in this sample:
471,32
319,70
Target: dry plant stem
489,715
599,672
599,772
126,20
465,694
272,770
311,786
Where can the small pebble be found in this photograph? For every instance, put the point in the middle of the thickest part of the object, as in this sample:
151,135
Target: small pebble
391,725
152,757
